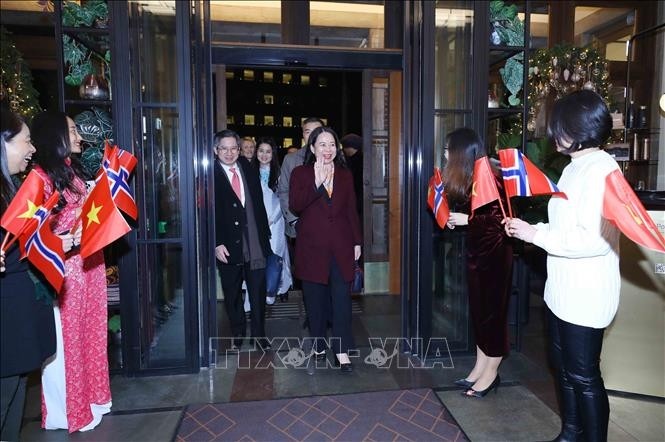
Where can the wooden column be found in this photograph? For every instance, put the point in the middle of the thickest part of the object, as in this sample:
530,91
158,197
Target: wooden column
562,22
295,22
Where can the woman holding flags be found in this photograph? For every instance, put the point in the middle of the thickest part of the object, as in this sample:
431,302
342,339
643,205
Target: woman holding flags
489,255
75,382
27,330
583,280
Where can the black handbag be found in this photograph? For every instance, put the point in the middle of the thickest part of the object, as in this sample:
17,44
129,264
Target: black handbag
274,265
358,279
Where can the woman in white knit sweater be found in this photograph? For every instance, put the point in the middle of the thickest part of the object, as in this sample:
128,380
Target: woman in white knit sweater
583,280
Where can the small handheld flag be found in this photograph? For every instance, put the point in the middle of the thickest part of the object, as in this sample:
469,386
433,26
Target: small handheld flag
436,199
24,204
522,178
483,189
623,209
42,247
102,222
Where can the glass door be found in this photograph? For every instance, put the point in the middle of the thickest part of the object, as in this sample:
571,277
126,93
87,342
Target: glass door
164,332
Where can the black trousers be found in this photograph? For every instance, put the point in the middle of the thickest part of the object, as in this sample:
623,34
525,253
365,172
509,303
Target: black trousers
232,276
575,353
326,300
12,400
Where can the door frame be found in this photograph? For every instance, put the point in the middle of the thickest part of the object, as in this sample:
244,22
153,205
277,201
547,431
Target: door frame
268,56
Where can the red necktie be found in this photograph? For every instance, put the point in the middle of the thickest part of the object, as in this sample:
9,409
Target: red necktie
235,183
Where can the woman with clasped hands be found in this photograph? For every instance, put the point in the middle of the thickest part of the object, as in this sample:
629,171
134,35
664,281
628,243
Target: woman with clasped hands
583,281
321,194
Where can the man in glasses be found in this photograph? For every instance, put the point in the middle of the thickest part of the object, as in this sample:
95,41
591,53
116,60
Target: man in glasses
242,237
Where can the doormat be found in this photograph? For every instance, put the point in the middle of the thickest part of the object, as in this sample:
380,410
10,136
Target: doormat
377,416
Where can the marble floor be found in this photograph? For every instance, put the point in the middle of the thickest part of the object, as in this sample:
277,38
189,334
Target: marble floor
523,409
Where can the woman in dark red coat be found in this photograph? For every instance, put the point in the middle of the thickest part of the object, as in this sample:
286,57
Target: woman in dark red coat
321,194
489,262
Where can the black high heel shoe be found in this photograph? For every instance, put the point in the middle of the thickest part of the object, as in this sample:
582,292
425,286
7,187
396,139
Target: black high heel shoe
284,297
481,394
463,383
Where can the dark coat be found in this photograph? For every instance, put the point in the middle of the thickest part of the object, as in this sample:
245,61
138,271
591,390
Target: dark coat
327,227
230,219
27,325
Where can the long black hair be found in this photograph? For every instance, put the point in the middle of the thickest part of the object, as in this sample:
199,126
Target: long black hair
310,158
274,163
50,136
11,125
464,148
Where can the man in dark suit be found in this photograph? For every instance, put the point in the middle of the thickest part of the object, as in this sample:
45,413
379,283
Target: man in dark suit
242,237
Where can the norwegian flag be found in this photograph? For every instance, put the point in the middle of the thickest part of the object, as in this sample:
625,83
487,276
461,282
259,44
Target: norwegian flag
522,178
118,177
42,247
117,165
436,199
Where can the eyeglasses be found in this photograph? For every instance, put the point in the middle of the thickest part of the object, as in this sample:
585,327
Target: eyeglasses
225,149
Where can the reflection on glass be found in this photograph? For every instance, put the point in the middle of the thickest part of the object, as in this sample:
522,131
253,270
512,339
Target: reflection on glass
453,44
248,74
268,120
449,287
161,306
443,125
538,24
268,77
246,21
347,24
604,29
156,47
161,174
503,132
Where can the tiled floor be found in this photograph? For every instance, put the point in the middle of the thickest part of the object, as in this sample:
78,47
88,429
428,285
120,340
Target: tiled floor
525,408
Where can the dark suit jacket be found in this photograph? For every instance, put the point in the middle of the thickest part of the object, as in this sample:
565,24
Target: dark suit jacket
230,219
327,227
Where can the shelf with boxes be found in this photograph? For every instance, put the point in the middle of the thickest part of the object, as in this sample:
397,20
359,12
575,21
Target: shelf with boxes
274,103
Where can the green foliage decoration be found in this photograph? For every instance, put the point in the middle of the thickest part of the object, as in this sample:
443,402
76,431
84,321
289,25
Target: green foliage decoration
85,14
508,30
512,75
78,57
16,86
506,23
95,126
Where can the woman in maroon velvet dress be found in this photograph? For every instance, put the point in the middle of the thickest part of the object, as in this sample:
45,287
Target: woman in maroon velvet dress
489,262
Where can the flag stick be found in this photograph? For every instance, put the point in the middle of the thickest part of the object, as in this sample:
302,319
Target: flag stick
4,242
15,237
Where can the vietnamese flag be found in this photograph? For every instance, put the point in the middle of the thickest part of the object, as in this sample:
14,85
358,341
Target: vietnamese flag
102,221
436,199
483,189
24,204
623,209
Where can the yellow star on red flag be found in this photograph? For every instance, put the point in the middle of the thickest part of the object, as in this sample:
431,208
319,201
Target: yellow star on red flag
93,214
32,208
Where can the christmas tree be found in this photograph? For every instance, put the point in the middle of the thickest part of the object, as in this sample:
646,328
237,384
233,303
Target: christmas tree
16,87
